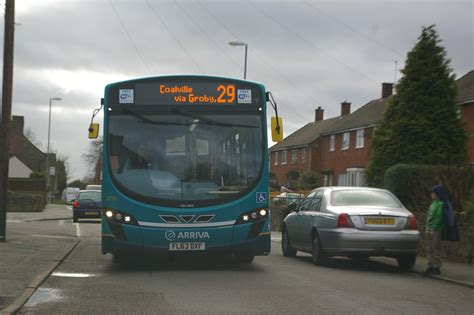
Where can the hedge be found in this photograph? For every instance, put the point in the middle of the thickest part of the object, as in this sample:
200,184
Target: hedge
23,202
412,184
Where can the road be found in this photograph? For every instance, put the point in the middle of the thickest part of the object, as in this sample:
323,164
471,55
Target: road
88,283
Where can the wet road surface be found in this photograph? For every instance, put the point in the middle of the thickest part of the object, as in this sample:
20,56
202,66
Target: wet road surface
89,283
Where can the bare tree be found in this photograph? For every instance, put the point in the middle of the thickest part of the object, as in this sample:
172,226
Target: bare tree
93,158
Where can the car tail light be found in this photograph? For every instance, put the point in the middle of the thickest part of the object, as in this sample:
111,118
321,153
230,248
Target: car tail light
344,221
75,204
411,223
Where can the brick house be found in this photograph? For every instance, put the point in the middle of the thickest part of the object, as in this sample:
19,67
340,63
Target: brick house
300,151
465,100
339,148
25,158
346,144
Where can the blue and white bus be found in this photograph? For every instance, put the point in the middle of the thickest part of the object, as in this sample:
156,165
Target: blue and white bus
185,167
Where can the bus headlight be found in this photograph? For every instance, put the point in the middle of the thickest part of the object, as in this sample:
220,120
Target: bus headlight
121,217
253,216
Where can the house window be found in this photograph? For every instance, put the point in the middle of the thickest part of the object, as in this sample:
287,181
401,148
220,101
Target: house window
283,156
360,139
342,179
275,158
355,177
294,156
332,143
345,141
303,155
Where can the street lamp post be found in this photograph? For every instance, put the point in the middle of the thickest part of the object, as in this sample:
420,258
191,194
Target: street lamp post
239,43
47,149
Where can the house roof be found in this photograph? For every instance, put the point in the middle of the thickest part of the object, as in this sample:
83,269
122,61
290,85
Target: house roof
305,135
25,151
465,86
367,115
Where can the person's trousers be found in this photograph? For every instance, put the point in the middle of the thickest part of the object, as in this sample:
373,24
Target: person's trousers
434,249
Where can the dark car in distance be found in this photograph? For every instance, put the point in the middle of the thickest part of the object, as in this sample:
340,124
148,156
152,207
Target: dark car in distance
88,205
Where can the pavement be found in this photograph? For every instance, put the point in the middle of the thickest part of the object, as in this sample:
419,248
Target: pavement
35,243
51,265
457,273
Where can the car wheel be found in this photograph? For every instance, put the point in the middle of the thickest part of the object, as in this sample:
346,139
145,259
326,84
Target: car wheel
286,248
245,259
319,258
406,262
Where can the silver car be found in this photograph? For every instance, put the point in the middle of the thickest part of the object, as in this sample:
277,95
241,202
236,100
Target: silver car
357,222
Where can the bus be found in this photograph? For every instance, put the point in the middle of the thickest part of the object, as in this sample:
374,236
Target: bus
185,167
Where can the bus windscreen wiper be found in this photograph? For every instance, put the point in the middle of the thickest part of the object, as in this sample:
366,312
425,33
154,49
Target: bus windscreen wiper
210,121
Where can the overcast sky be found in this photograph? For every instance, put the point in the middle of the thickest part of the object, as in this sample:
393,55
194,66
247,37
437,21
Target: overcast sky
307,53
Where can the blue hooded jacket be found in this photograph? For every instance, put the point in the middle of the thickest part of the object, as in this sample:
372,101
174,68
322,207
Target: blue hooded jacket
450,229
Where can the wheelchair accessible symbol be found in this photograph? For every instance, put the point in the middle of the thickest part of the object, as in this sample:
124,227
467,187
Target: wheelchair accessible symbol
261,197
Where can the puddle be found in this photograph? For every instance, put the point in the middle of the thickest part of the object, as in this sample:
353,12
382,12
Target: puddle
73,275
44,295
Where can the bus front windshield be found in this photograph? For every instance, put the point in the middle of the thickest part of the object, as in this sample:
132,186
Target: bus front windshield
185,157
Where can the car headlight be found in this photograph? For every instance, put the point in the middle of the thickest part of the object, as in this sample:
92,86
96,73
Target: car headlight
117,216
255,215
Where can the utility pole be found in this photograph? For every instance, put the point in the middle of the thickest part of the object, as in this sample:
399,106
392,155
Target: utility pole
7,91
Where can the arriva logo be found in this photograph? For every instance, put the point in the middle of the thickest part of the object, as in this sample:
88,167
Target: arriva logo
172,236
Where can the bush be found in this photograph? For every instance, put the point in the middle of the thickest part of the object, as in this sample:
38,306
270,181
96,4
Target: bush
309,180
23,202
412,184
38,175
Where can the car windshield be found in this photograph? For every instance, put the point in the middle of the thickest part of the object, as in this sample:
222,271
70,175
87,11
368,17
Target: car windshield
364,198
90,195
185,157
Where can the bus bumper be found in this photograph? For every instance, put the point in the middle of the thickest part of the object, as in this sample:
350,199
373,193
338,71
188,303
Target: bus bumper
244,239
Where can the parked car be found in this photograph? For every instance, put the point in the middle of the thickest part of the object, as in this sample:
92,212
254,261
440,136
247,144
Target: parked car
87,205
69,194
357,222
94,187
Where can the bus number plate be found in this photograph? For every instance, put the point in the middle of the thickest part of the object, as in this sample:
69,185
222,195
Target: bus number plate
187,246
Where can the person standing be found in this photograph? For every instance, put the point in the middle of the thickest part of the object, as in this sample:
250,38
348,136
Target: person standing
434,227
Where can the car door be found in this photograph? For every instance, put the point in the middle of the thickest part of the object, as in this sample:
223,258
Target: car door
309,218
297,236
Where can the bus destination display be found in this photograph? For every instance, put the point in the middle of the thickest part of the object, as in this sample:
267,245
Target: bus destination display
195,93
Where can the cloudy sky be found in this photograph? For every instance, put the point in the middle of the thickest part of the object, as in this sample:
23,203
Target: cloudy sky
308,53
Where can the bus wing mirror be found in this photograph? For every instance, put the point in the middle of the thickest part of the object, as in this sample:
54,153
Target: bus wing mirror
277,129
93,131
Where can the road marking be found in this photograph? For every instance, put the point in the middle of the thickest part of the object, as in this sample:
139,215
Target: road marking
73,275
78,230
276,239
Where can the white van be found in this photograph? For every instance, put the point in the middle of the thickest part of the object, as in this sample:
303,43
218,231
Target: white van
94,187
70,194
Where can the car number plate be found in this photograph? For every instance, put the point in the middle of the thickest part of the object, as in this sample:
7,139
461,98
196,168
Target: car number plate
380,221
91,213
175,246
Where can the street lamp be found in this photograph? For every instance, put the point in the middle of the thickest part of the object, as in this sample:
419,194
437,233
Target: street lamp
239,43
49,133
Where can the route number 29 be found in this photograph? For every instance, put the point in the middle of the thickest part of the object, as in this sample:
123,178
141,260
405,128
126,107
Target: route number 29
227,93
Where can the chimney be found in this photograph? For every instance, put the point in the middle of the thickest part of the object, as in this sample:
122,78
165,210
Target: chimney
17,125
345,108
319,114
387,89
